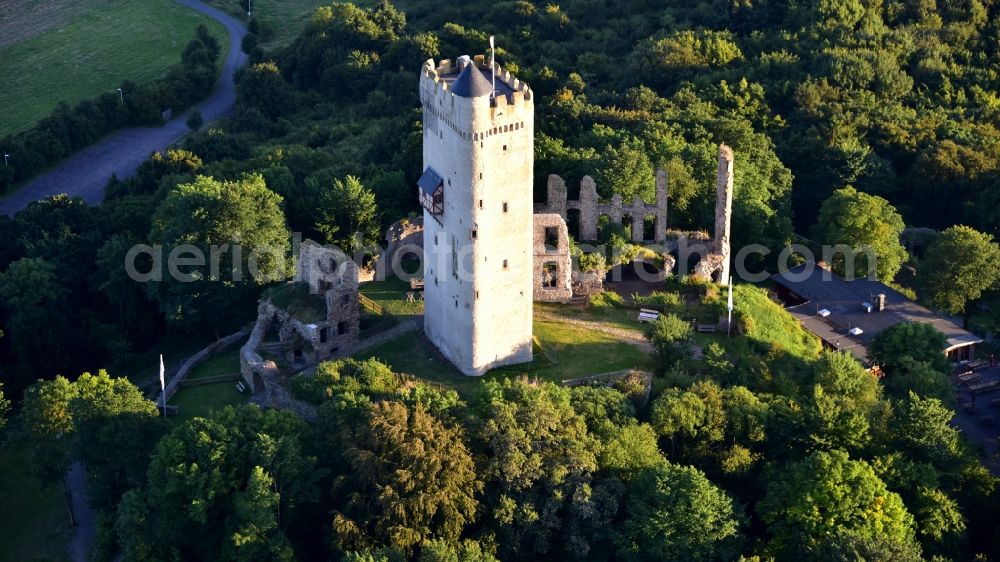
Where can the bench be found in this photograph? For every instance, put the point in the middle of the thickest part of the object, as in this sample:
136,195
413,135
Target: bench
977,365
969,378
240,387
707,328
647,315
984,386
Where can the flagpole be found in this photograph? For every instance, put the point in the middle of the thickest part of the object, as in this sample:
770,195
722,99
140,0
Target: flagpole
729,324
163,388
493,65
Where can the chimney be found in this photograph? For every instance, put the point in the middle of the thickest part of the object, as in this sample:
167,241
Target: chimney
880,301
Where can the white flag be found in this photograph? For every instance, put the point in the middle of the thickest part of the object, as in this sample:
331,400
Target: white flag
163,383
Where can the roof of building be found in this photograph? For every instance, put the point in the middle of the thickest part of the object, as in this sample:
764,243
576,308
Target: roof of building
429,181
848,303
474,82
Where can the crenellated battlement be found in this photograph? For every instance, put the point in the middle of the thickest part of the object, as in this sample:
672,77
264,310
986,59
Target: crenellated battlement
439,74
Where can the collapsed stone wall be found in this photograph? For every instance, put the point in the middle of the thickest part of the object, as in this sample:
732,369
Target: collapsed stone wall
591,208
185,369
716,265
553,264
332,275
403,237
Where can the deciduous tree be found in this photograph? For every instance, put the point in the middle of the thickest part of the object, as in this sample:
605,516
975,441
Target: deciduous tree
862,223
960,265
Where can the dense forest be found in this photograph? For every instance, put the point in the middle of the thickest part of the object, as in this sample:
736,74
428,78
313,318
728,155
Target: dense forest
770,449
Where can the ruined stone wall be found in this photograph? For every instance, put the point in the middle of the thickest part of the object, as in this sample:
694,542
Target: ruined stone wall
403,237
716,266
328,273
223,344
553,263
591,208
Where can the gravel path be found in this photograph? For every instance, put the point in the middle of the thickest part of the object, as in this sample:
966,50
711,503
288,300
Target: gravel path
86,173
632,337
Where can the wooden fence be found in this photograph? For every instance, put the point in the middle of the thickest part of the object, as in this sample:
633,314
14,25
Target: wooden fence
370,305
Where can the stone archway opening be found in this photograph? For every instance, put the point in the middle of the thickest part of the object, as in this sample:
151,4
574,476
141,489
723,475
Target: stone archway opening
649,228
627,226
573,223
411,264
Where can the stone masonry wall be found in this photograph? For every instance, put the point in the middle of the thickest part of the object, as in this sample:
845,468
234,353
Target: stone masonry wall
591,208
552,285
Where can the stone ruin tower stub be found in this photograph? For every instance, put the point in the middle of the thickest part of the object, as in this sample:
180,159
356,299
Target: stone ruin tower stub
724,211
476,190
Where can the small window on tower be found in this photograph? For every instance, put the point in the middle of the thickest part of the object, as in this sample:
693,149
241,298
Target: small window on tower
480,202
473,233
505,147
505,206
505,264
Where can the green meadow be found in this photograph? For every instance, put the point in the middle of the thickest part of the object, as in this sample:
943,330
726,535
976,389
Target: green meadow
58,50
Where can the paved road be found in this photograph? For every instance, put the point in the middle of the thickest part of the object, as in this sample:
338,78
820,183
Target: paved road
87,172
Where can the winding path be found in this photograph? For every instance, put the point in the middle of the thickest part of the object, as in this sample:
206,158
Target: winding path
86,172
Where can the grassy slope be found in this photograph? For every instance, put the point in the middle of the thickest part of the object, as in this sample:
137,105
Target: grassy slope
766,322
90,50
33,520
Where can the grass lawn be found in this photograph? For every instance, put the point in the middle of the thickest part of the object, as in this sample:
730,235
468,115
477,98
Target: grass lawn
69,51
578,352
201,400
34,524
391,294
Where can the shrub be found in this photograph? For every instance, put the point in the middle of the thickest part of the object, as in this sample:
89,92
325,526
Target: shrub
606,299
195,120
671,337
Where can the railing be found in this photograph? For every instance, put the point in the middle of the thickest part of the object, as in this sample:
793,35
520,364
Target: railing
370,305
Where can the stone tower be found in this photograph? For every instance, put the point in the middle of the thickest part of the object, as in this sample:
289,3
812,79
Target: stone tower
724,210
476,190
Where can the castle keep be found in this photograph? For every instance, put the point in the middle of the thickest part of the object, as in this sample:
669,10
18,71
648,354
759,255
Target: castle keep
476,191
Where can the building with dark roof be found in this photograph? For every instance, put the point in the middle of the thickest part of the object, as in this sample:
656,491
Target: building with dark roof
847,315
